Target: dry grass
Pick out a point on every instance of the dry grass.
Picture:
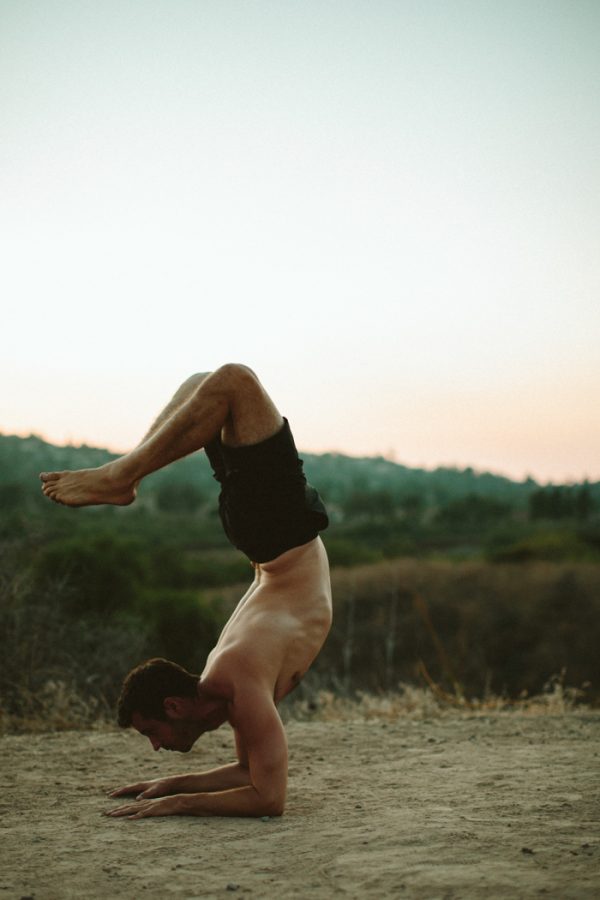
(430, 702)
(60, 707)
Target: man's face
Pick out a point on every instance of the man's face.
(170, 734)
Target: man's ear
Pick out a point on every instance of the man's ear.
(174, 707)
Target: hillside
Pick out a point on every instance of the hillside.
(378, 508)
(338, 476)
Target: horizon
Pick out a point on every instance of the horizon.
(333, 452)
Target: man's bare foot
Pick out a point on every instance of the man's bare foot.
(88, 487)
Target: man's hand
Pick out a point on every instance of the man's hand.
(140, 809)
(144, 790)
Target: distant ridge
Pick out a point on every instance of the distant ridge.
(22, 458)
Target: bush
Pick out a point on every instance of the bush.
(178, 496)
(180, 626)
(70, 629)
(99, 574)
(43, 645)
(554, 546)
(471, 627)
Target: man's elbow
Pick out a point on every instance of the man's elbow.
(272, 806)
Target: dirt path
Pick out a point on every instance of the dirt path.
(504, 805)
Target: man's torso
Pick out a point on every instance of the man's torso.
(277, 629)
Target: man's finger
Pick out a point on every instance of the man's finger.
(150, 808)
(150, 792)
(119, 811)
(123, 810)
(128, 789)
(140, 809)
(141, 813)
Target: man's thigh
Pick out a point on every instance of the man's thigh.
(253, 416)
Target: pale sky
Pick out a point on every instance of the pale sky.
(390, 210)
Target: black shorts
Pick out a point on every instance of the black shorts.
(266, 505)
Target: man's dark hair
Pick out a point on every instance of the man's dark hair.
(146, 687)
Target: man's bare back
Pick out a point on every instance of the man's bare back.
(270, 512)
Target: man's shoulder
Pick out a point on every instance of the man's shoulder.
(230, 674)
(251, 707)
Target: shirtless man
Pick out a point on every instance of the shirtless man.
(269, 512)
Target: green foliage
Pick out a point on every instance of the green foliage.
(211, 571)
(552, 545)
(83, 615)
(12, 495)
(574, 502)
(378, 509)
(178, 496)
(101, 574)
(377, 503)
(343, 552)
(170, 567)
(181, 626)
(471, 512)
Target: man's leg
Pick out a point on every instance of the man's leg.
(230, 401)
(182, 394)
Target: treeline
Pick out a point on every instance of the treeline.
(378, 509)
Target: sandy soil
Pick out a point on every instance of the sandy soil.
(502, 805)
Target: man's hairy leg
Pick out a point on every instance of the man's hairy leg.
(230, 399)
(183, 393)
(121, 495)
(180, 396)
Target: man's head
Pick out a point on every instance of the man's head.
(160, 700)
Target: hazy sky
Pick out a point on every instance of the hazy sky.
(390, 210)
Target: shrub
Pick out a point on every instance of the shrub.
(49, 653)
(99, 574)
(180, 626)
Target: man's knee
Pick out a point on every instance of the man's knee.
(237, 376)
(234, 384)
(196, 379)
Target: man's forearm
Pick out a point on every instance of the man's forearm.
(242, 801)
(222, 779)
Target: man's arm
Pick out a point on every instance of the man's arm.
(260, 734)
(221, 779)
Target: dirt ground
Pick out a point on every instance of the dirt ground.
(456, 806)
